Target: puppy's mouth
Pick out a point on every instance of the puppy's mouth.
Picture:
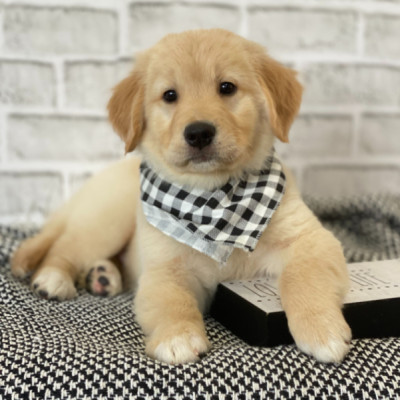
(202, 150)
(208, 155)
(197, 161)
(200, 146)
(208, 160)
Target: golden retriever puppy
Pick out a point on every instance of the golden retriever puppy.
(208, 201)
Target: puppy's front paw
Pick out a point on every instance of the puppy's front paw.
(104, 279)
(325, 336)
(178, 344)
(52, 283)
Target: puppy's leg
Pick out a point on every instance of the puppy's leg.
(312, 286)
(103, 279)
(168, 312)
(55, 278)
(47, 253)
(96, 223)
(33, 250)
(79, 258)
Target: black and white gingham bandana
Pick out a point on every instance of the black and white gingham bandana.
(214, 222)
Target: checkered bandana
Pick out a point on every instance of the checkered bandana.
(214, 222)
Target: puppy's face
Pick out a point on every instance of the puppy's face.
(204, 106)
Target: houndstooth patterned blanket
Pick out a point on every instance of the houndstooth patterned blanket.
(91, 348)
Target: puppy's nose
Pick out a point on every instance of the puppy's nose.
(199, 134)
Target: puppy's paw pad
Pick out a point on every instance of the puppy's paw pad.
(104, 279)
(179, 349)
(54, 285)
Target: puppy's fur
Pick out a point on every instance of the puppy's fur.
(174, 282)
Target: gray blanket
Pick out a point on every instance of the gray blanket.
(91, 347)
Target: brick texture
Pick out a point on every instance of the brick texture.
(379, 37)
(2, 136)
(294, 30)
(319, 136)
(89, 84)
(60, 59)
(1, 25)
(347, 180)
(60, 138)
(26, 83)
(27, 193)
(340, 84)
(150, 21)
(380, 134)
(43, 30)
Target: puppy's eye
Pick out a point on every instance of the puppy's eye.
(227, 88)
(170, 96)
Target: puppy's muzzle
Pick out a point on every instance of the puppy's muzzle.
(199, 134)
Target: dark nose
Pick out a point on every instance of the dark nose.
(199, 134)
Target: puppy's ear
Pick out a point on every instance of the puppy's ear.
(126, 109)
(283, 93)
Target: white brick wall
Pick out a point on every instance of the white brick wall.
(60, 58)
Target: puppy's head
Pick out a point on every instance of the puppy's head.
(205, 105)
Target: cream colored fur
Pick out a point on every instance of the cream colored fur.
(175, 283)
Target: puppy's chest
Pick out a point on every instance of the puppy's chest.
(264, 260)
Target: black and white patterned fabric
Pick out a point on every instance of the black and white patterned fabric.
(368, 226)
(214, 222)
(91, 347)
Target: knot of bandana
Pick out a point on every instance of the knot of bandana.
(214, 222)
